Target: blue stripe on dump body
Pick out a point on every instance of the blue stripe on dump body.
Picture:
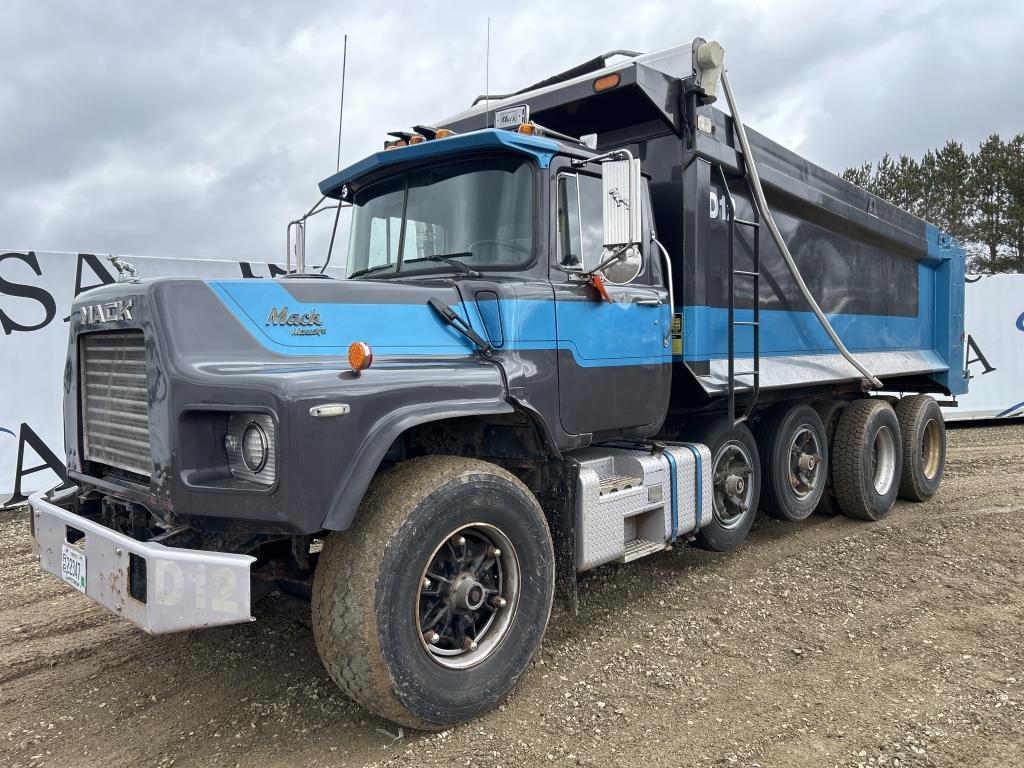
(538, 147)
(940, 314)
(673, 472)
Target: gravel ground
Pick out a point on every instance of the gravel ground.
(827, 643)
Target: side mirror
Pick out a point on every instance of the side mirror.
(622, 203)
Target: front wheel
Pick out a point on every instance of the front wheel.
(429, 609)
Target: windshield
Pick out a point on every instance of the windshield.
(479, 212)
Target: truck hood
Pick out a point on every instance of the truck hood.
(303, 317)
(291, 317)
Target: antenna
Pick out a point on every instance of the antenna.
(487, 76)
(341, 109)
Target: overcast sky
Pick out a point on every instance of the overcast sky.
(200, 129)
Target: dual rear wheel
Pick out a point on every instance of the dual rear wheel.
(836, 456)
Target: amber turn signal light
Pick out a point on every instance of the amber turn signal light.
(360, 356)
(606, 82)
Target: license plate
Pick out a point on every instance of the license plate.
(511, 117)
(72, 567)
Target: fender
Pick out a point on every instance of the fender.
(354, 483)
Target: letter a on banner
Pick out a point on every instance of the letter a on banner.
(50, 461)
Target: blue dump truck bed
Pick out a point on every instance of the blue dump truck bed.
(891, 284)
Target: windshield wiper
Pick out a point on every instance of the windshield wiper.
(449, 258)
(455, 321)
(368, 270)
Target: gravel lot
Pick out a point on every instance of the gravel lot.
(831, 642)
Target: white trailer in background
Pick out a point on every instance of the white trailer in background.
(994, 323)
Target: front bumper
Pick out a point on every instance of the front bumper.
(184, 588)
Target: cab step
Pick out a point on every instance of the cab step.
(638, 548)
(619, 483)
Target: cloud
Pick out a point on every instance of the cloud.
(199, 130)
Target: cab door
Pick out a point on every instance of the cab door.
(614, 357)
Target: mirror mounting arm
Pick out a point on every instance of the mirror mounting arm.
(615, 154)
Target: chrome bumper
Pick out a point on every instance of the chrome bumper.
(184, 588)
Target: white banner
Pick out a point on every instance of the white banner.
(994, 321)
(36, 291)
(37, 288)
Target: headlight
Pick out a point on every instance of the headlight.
(254, 447)
(250, 447)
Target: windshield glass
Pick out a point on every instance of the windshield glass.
(479, 212)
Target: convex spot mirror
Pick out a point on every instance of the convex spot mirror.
(625, 268)
(621, 205)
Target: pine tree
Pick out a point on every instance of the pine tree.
(1014, 238)
(860, 176)
(990, 171)
(976, 197)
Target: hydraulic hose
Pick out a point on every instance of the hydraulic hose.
(766, 216)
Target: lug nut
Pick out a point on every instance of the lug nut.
(469, 644)
(432, 638)
(461, 541)
(493, 552)
(426, 583)
(498, 602)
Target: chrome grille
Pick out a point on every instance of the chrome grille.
(115, 405)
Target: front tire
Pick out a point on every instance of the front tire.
(429, 609)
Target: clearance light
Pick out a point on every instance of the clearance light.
(606, 82)
(443, 133)
(393, 144)
(417, 139)
(528, 128)
(360, 356)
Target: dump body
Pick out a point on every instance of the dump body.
(891, 284)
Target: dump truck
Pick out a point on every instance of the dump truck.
(582, 324)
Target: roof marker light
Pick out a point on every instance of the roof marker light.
(417, 139)
(443, 133)
(528, 129)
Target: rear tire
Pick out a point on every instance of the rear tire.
(736, 474)
(829, 411)
(794, 461)
(437, 541)
(867, 463)
(923, 431)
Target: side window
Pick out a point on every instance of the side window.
(580, 224)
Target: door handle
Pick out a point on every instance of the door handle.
(648, 302)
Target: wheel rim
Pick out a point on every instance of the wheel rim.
(733, 490)
(883, 460)
(467, 595)
(931, 449)
(804, 462)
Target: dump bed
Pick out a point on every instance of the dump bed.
(891, 284)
